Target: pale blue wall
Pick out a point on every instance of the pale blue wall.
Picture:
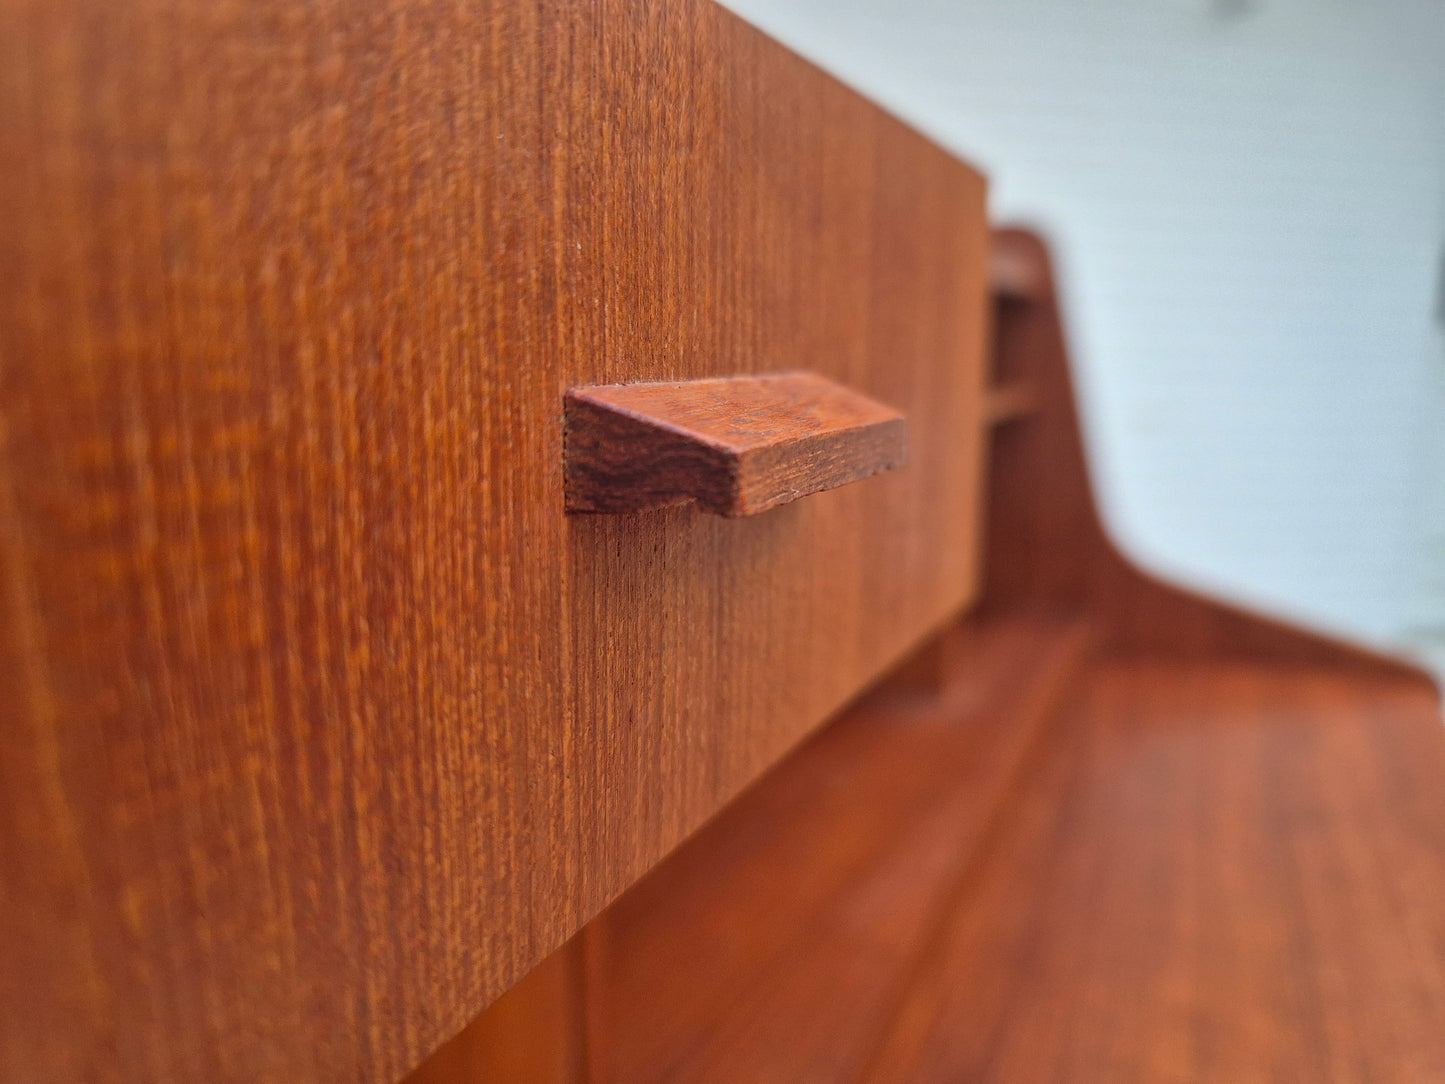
(1247, 200)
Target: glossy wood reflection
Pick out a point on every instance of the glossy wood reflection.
(1219, 872)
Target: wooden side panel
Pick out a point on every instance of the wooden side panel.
(1046, 542)
(321, 722)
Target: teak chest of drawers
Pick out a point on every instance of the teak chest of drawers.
(449, 452)
(324, 720)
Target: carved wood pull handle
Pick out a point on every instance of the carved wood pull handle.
(737, 446)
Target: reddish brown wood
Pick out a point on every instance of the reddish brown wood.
(1226, 864)
(1046, 542)
(535, 1033)
(321, 722)
(1010, 402)
(773, 944)
(736, 445)
(1215, 870)
(1220, 871)
(1015, 272)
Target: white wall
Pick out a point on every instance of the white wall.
(1245, 197)
(1425, 604)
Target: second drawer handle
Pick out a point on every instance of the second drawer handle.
(736, 445)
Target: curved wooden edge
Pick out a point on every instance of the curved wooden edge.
(1047, 543)
(736, 445)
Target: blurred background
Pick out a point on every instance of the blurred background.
(1247, 204)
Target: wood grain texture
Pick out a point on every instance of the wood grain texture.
(1207, 870)
(735, 445)
(1224, 865)
(323, 722)
(1221, 871)
(773, 945)
(535, 1033)
(803, 991)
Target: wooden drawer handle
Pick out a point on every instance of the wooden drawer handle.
(738, 445)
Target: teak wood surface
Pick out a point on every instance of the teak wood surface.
(1062, 866)
(735, 445)
(1102, 829)
(322, 721)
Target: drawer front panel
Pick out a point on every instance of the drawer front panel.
(325, 721)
